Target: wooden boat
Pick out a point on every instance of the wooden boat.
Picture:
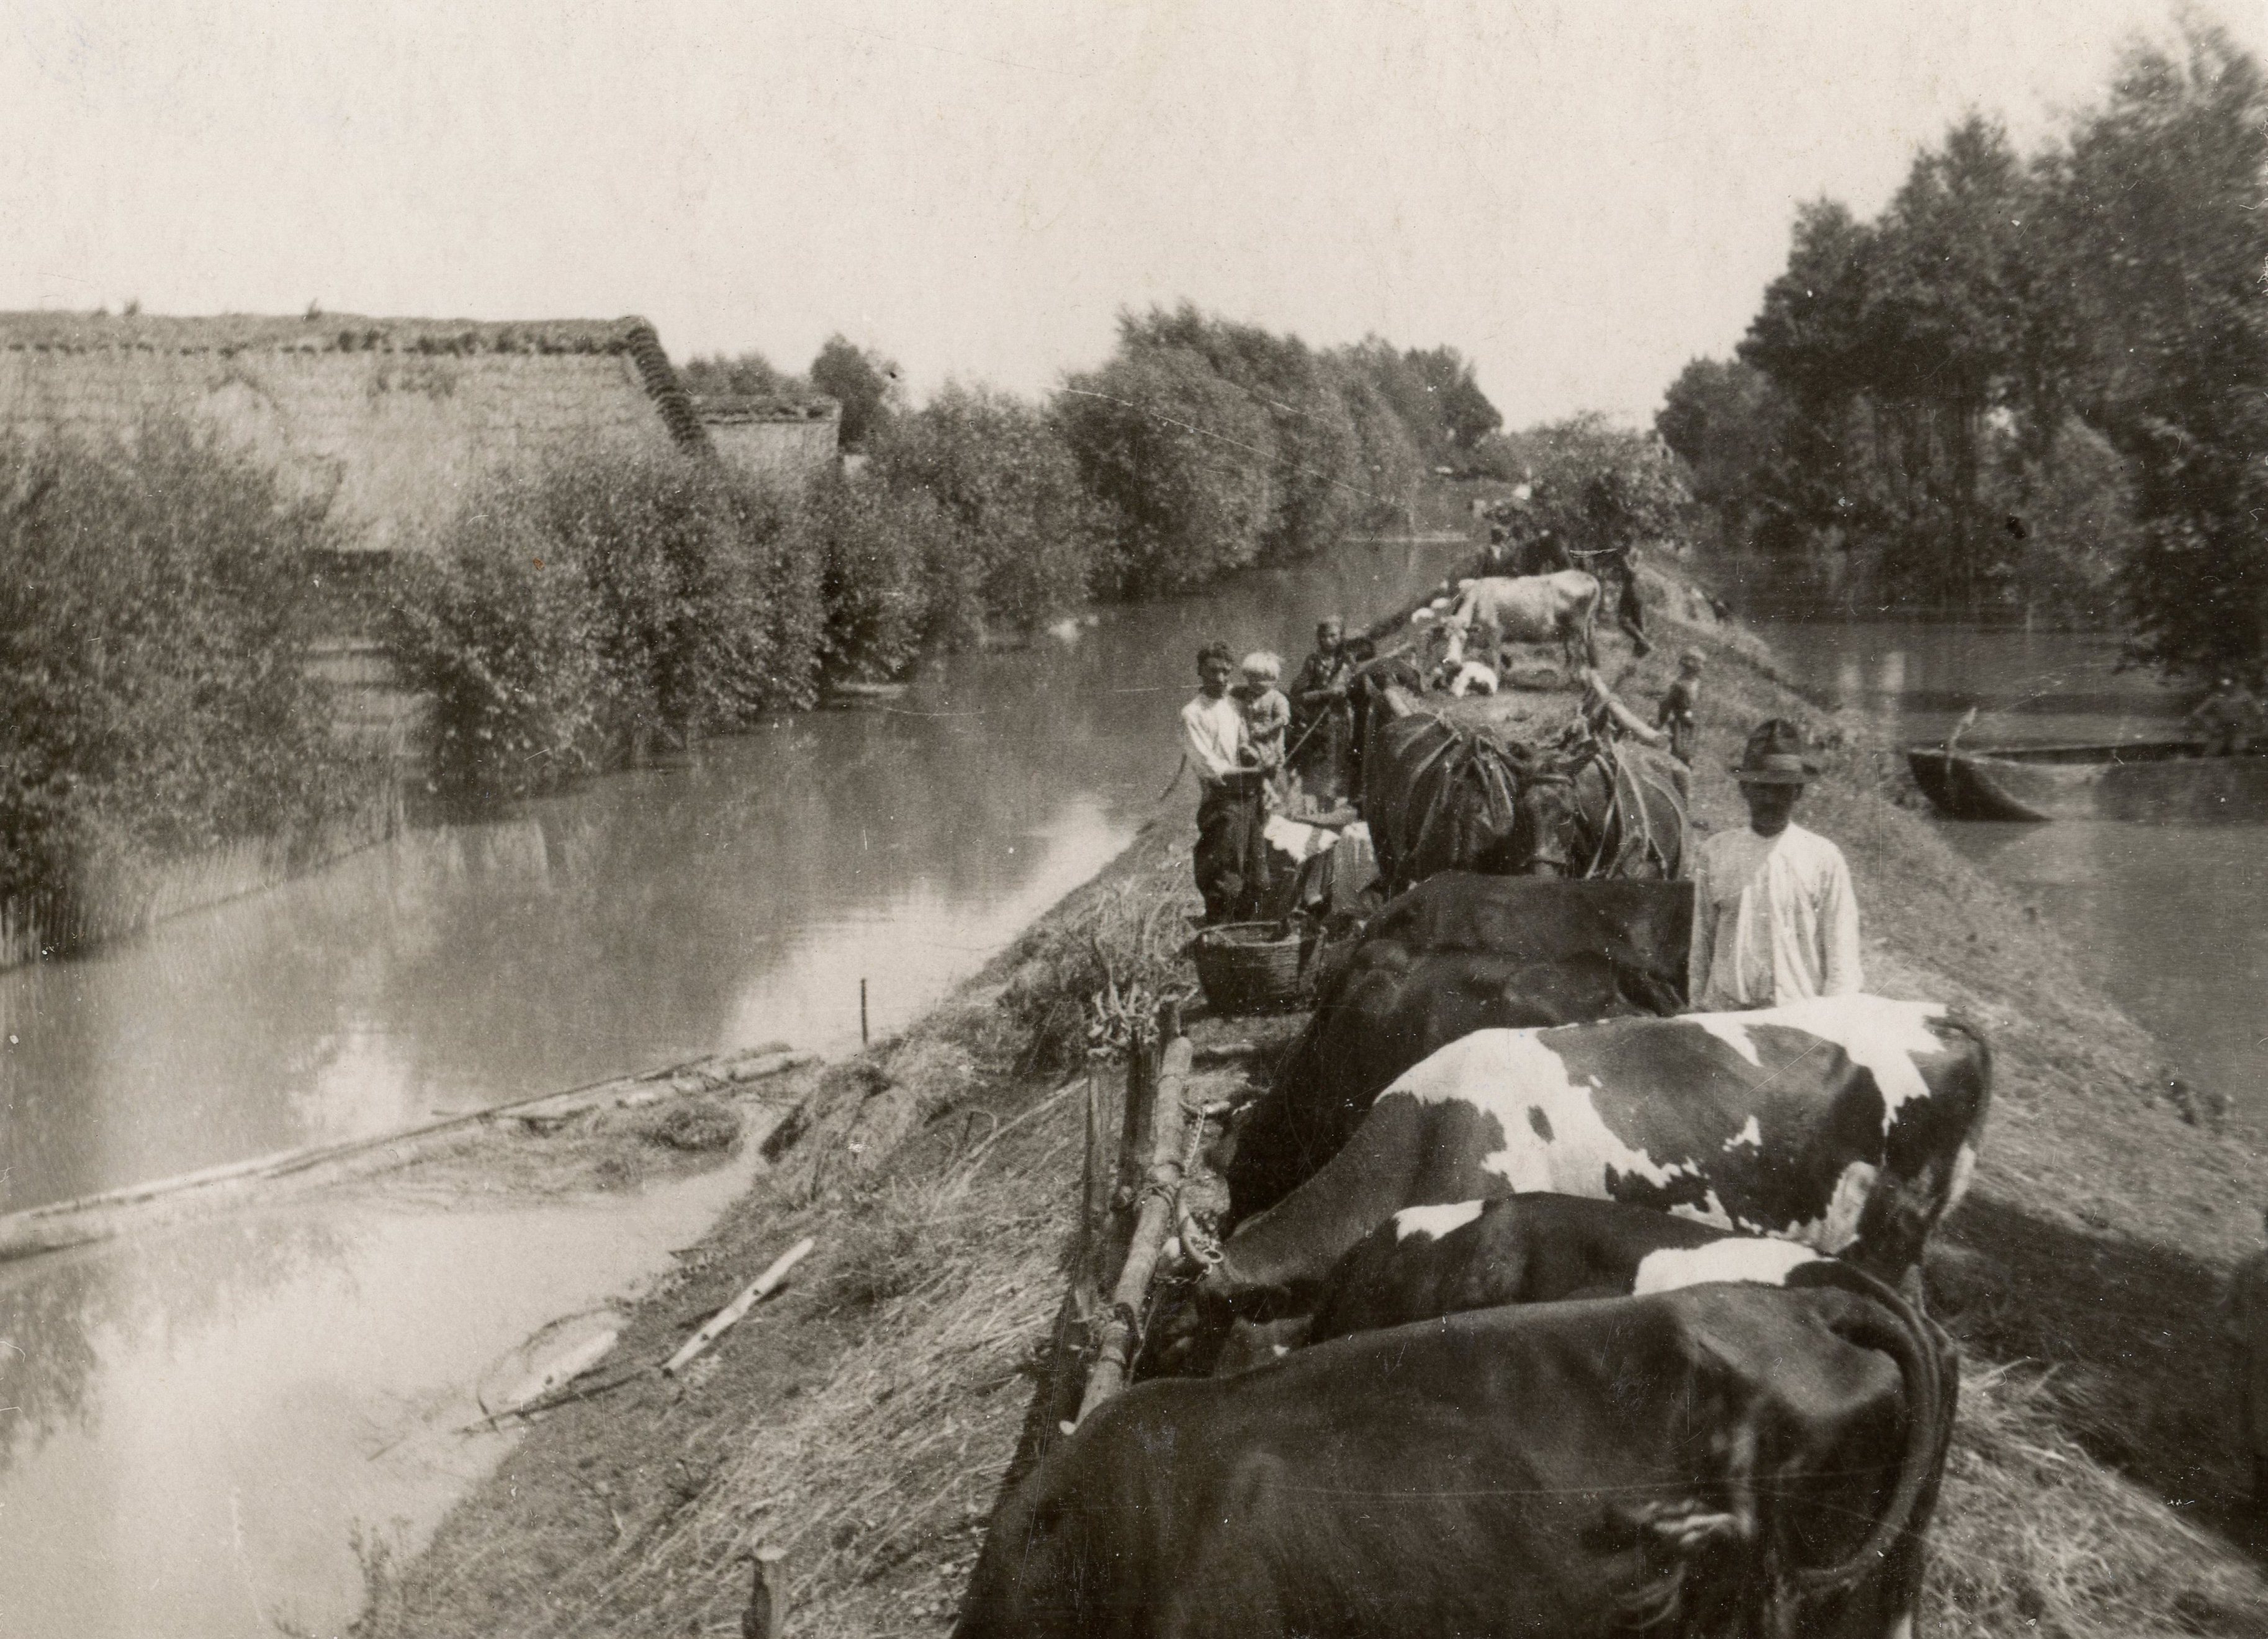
(2142, 780)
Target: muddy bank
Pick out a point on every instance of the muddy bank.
(861, 1421)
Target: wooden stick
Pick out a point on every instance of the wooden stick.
(766, 1617)
(726, 1317)
(1116, 1350)
(1094, 1199)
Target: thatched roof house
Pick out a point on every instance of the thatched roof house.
(788, 439)
(389, 419)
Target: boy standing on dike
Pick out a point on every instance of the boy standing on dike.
(1774, 917)
(1214, 744)
(2244, 1321)
(1681, 705)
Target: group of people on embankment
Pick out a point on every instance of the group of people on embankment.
(1776, 915)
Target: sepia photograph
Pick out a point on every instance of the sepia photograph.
(1375, 820)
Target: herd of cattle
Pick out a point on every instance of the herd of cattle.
(1543, 1311)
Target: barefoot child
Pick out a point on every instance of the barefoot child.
(1679, 703)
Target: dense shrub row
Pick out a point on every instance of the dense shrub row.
(599, 605)
(603, 603)
(158, 597)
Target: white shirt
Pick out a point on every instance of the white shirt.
(1774, 921)
(1213, 733)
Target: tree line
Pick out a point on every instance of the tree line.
(161, 594)
(2031, 381)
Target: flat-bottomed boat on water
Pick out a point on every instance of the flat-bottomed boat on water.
(2142, 780)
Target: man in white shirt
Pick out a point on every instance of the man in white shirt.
(1214, 744)
(1774, 917)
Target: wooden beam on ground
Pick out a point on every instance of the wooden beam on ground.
(1121, 1328)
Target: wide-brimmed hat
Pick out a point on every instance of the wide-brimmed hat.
(1774, 756)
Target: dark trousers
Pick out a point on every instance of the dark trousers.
(1228, 866)
(1629, 612)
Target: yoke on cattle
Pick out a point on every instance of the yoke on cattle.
(1442, 793)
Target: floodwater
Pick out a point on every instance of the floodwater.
(193, 1425)
(2172, 917)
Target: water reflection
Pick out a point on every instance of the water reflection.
(207, 1417)
(202, 1416)
(735, 897)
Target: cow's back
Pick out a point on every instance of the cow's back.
(1456, 953)
(1549, 1470)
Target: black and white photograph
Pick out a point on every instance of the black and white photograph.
(1121, 819)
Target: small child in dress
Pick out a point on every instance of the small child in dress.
(1679, 702)
(1267, 713)
(2244, 1320)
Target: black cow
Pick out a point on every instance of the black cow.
(1427, 1262)
(1456, 953)
(1725, 1459)
(1848, 1123)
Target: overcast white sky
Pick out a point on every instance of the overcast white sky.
(1581, 196)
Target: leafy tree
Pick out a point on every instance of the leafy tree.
(1179, 460)
(1596, 486)
(1314, 441)
(863, 382)
(1022, 529)
(1727, 421)
(157, 596)
(1388, 466)
(2157, 203)
(748, 374)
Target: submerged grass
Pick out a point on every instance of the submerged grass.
(864, 1420)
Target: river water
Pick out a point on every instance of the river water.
(2173, 918)
(194, 1425)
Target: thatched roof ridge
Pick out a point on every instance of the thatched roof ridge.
(231, 334)
(725, 409)
(325, 333)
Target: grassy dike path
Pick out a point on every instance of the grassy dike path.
(863, 1420)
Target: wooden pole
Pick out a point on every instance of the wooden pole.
(766, 1617)
(1116, 1351)
(729, 1316)
(862, 1012)
(1134, 1134)
(1094, 1197)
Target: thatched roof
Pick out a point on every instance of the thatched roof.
(391, 418)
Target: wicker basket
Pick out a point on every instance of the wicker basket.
(1255, 967)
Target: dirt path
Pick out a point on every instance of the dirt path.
(862, 1420)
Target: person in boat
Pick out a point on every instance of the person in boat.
(2244, 1322)
(1608, 719)
(1322, 716)
(2228, 720)
(1774, 916)
(1214, 744)
(1678, 714)
(1267, 713)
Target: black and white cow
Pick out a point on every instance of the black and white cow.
(1847, 1123)
(1716, 1461)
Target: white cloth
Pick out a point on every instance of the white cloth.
(1212, 734)
(1774, 921)
(1302, 840)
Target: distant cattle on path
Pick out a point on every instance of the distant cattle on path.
(1560, 608)
(1458, 952)
(1848, 1123)
(1718, 1460)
